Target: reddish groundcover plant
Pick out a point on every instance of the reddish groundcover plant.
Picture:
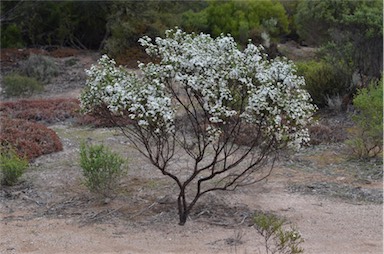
(22, 124)
(51, 111)
(48, 110)
(30, 139)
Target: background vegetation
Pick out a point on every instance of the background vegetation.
(349, 33)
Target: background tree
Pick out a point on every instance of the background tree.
(350, 35)
(352, 32)
(78, 24)
(226, 112)
(291, 10)
(241, 19)
(130, 20)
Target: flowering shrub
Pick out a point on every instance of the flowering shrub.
(212, 70)
(218, 89)
(29, 139)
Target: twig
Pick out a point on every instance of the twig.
(143, 210)
(201, 213)
(242, 221)
(97, 217)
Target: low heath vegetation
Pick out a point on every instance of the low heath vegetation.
(12, 166)
(29, 139)
(18, 85)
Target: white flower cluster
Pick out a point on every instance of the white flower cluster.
(213, 71)
(144, 100)
(279, 103)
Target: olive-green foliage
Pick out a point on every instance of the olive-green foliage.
(323, 80)
(246, 19)
(276, 238)
(243, 19)
(79, 24)
(11, 165)
(41, 67)
(101, 168)
(130, 20)
(313, 20)
(291, 10)
(195, 21)
(351, 31)
(11, 37)
(18, 85)
(368, 140)
(316, 20)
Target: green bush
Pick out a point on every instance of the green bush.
(195, 21)
(151, 18)
(277, 239)
(41, 67)
(11, 37)
(17, 85)
(12, 166)
(75, 24)
(351, 30)
(101, 169)
(247, 19)
(323, 80)
(367, 141)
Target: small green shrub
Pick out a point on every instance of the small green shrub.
(101, 169)
(41, 67)
(277, 239)
(71, 62)
(12, 166)
(323, 80)
(17, 85)
(367, 141)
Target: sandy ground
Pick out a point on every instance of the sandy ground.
(328, 225)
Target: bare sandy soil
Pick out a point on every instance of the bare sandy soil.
(51, 212)
(335, 202)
